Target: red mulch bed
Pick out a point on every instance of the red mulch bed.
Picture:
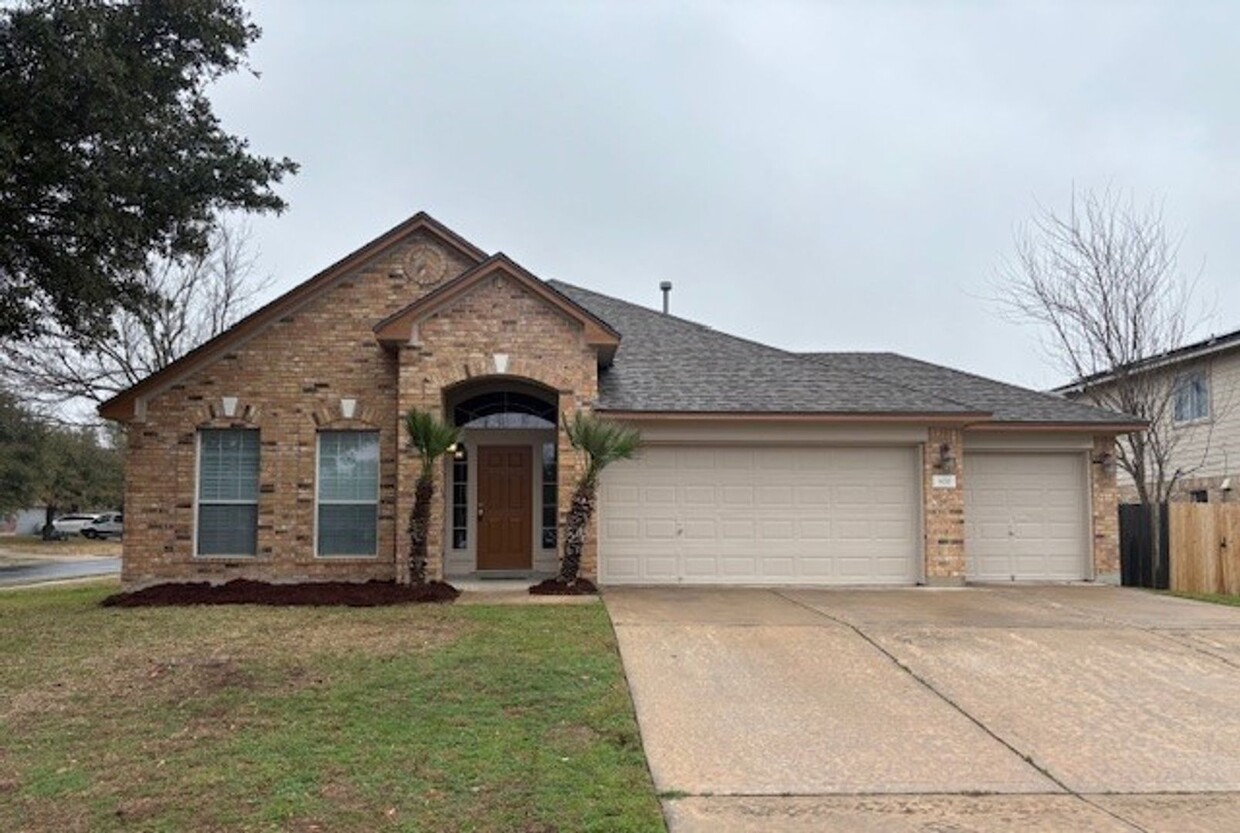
(554, 587)
(246, 592)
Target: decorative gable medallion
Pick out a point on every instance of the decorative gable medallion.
(425, 265)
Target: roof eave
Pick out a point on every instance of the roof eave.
(1054, 426)
(1222, 344)
(920, 418)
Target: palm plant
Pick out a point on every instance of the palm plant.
(602, 442)
(431, 438)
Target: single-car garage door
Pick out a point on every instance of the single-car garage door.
(1025, 516)
(752, 515)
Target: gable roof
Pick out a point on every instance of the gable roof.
(398, 328)
(1007, 403)
(1198, 349)
(121, 406)
(669, 365)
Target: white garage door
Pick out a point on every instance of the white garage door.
(1025, 516)
(748, 515)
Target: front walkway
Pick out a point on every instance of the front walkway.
(987, 709)
(509, 591)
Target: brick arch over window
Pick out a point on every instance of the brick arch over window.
(500, 366)
(227, 412)
(491, 396)
(333, 416)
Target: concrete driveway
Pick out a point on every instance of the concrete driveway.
(984, 709)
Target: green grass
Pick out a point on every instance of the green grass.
(1213, 598)
(513, 718)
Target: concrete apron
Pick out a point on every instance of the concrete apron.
(1051, 708)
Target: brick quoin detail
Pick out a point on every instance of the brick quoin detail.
(1104, 501)
(943, 511)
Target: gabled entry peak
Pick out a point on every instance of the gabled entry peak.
(399, 328)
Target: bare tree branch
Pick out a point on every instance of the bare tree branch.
(195, 300)
(1104, 285)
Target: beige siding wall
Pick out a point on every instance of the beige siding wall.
(1208, 452)
(1211, 449)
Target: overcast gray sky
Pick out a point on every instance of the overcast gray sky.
(839, 176)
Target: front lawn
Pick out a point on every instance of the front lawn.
(446, 718)
(1213, 598)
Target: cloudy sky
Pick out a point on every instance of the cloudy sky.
(841, 176)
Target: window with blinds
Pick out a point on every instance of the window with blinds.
(227, 492)
(348, 493)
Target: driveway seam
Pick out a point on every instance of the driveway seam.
(1028, 759)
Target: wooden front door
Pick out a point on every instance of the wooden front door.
(505, 510)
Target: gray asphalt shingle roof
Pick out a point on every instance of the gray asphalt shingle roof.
(668, 364)
(1006, 403)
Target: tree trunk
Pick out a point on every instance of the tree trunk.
(419, 526)
(580, 510)
(49, 515)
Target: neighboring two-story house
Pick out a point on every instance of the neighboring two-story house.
(1201, 417)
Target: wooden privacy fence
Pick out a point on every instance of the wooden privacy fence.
(1205, 547)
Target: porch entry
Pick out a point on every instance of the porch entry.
(505, 507)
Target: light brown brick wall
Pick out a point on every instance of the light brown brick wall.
(1104, 498)
(289, 379)
(459, 344)
(944, 508)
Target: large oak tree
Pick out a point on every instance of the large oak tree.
(110, 153)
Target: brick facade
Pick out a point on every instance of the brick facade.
(289, 381)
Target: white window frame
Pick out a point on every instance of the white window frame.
(198, 501)
(318, 452)
(1187, 380)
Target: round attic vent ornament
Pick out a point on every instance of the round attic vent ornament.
(425, 265)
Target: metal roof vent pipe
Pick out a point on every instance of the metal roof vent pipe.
(666, 288)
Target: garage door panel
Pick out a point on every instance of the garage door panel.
(700, 530)
(774, 496)
(739, 566)
(778, 529)
(762, 515)
(659, 528)
(737, 495)
(1025, 516)
(815, 530)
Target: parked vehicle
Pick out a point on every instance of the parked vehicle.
(67, 525)
(107, 525)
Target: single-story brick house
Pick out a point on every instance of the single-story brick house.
(275, 450)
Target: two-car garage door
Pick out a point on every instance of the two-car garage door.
(761, 515)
